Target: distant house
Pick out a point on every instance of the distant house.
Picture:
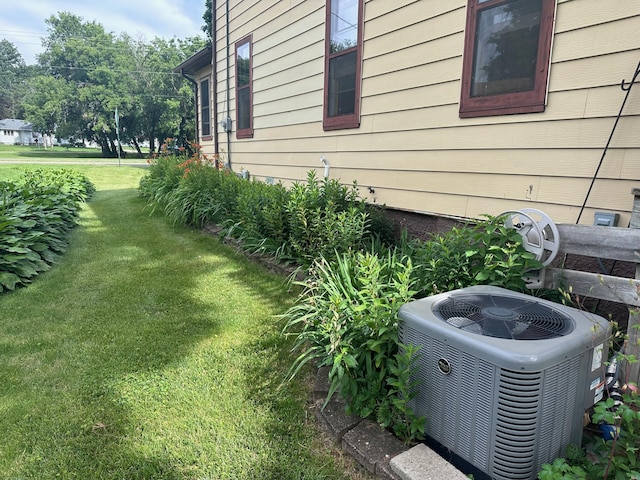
(15, 132)
(453, 108)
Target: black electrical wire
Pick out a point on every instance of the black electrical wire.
(627, 88)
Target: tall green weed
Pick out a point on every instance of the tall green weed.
(346, 319)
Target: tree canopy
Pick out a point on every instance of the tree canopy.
(86, 73)
(208, 20)
(12, 68)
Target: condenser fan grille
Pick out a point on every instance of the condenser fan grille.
(503, 316)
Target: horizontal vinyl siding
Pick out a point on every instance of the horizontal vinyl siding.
(287, 61)
(412, 149)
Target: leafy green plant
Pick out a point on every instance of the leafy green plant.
(36, 213)
(311, 219)
(617, 458)
(264, 219)
(161, 180)
(324, 217)
(346, 318)
(487, 253)
(402, 389)
(560, 469)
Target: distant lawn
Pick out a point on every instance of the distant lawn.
(151, 352)
(28, 153)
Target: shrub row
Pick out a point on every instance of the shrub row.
(298, 224)
(36, 213)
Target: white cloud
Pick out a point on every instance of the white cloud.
(24, 23)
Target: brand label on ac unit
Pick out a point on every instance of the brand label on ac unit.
(444, 366)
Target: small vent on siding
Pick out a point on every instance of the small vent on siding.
(516, 424)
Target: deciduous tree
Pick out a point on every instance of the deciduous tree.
(11, 69)
(88, 72)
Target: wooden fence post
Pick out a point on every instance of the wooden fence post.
(633, 345)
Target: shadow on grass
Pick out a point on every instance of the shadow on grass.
(34, 152)
(23, 151)
(87, 346)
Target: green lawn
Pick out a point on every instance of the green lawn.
(35, 154)
(151, 352)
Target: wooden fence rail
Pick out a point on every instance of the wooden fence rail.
(613, 243)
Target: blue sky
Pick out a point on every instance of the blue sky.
(23, 23)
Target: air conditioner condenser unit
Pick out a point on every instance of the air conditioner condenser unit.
(504, 377)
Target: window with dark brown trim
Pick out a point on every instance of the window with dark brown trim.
(506, 57)
(343, 64)
(205, 116)
(244, 89)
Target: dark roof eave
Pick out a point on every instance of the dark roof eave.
(196, 62)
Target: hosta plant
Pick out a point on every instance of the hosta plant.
(36, 213)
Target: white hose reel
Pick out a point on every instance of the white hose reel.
(539, 236)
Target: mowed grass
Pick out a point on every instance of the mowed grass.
(38, 154)
(151, 351)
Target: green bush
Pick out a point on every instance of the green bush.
(486, 253)
(162, 179)
(346, 318)
(310, 219)
(185, 187)
(325, 217)
(36, 213)
(197, 198)
(264, 224)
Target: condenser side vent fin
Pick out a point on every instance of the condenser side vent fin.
(516, 425)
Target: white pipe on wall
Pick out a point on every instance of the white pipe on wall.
(325, 162)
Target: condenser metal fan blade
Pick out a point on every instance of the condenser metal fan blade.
(503, 316)
(465, 324)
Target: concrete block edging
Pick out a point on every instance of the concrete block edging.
(375, 448)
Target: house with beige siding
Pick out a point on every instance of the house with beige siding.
(453, 108)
